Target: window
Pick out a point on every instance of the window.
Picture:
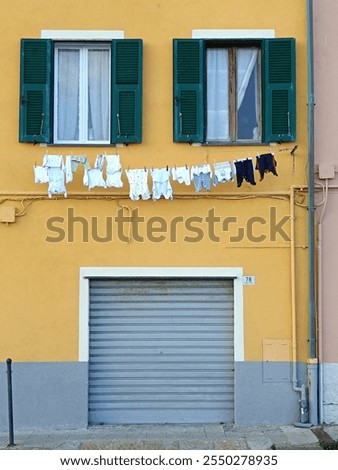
(234, 92)
(81, 93)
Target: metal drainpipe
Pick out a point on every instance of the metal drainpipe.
(302, 389)
(312, 368)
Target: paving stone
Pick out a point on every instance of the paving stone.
(97, 445)
(128, 445)
(259, 442)
(154, 445)
(332, 431)
(299, 436)
(228, 444)
(195, 444)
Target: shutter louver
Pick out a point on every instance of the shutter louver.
(188, 90)
(35, 93)
(127, 91)
(279, 90)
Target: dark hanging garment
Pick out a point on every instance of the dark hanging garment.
(266, 163)
(244, 171)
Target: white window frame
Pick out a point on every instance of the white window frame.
(233, 33)
(233, 111)
(83, 91)
(81, 34)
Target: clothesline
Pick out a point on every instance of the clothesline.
(107, 172)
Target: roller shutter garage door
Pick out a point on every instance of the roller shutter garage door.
(161, 351)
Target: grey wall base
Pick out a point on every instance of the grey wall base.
(46, 395)
(55, 395)
(264, 393)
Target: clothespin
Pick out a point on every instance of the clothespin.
(294, 150)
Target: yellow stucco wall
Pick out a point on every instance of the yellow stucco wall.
(39, 280)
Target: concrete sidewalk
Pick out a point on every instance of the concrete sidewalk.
(176, 437)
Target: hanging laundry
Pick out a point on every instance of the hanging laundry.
(201, 176)
(161, 183)
(56, 177)
(52, 161)
(181, 174)
(113, 171)
(40, 174)
(72, 163)
(224, 173)
(266, 163)
(99, 162)
(94, 176)
(56, 174)
(138, 181)
(244, 171)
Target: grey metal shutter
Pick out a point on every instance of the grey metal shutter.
(161, 351)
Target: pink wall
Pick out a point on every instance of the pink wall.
(326, 152)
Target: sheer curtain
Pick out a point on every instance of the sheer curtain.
(68, 95)
(217, 94)
(246, 67)
(83, 87)
(98, 94)
(246, 61)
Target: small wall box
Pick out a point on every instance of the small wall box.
(7, 214)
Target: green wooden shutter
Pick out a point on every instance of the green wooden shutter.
(35, 90)
(126, 118)
(188, 90)
(279, 90)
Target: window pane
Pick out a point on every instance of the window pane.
(98, 94)
(247, 94)
(68, 95)
(217, 94)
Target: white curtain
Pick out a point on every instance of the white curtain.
(68, 95)
(217, 94)
(77, 67)
(246, 61)
(98, 95)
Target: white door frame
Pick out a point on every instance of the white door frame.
(87, 273)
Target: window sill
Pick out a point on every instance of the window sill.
(236, 144)
(83, 145)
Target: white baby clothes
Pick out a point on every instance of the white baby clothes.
(224, 172)
(40, 174)
(99, 162)
(94, 177)
(56, 177)
(161, 183)
(138, 181)
(56, 174)
(201, 176)
(181, 174)
(52, 161)
(113, 171)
